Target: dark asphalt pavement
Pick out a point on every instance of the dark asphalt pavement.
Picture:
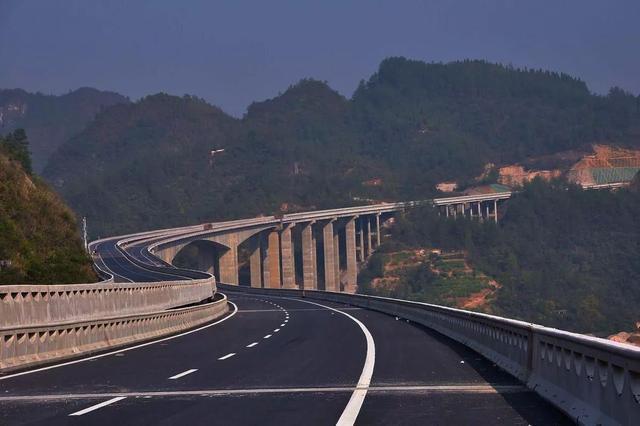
(293, 363)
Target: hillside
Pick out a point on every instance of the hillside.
(51, 120)
(408, 127)
(39, 240)
(564, 257)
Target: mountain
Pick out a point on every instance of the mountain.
(409, 126)
(51, 120)
(39, 239)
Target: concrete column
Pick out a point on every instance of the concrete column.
(352, 266)
(479, 211)
(361, 239)
(369, 249)
(272, 261)
(309, 276)
(446, 208)
(495, 210)
(487, 206)
(288, 265)
(378, 230)
(329, 257)
(455, 211)
(229, 266)
(336, 256)
(255, 262)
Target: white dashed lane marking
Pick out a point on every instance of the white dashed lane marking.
(267, 336)
(227, 356)
(252, 344)
(98, 406)
(184, 373)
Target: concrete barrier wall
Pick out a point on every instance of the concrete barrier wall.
(594, 381)
(29, 346)
(32, 305)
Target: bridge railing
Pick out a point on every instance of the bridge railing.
(28, 346)
(34, 305)
(594, 381)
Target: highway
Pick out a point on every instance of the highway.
(278, 361)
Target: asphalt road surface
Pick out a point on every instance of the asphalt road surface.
(274, 361)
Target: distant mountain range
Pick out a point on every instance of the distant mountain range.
(409, 126)
(51, 120)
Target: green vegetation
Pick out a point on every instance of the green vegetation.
(39, 241)
(146, 165)
(16, 147)
(437, 280)
(51, 120)
(564, 257)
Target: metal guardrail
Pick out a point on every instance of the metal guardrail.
(594, 381)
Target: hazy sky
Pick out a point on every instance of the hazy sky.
(234, 52)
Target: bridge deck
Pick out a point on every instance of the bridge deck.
(304, 373)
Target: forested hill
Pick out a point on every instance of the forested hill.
(51, 120)
(409, 126)
(39, 239)
(563, 256)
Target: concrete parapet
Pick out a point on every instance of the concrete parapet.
(594, 381)
(30, 346)
(34, 305)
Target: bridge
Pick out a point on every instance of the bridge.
(266, 329)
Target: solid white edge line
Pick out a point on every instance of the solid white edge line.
(153, 342)
(98, 406)
(184, 373)
(227, 356)
(351, 411)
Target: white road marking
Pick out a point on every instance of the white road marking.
(235, 310)
(98, 406)
(487, 388)
(227, 356)
(184, 373)
(276, 330)
(252, 344)
(267, 336)
(351, 411)
(282, 325)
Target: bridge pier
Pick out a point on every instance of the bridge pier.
(360, 247)
(288, 261)
(271, 260)
(229, 266)
(352, 265)
(369, 249)
(309, 273)
(330, 283)
(255, 261)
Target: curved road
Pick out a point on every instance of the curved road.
(274, 361)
